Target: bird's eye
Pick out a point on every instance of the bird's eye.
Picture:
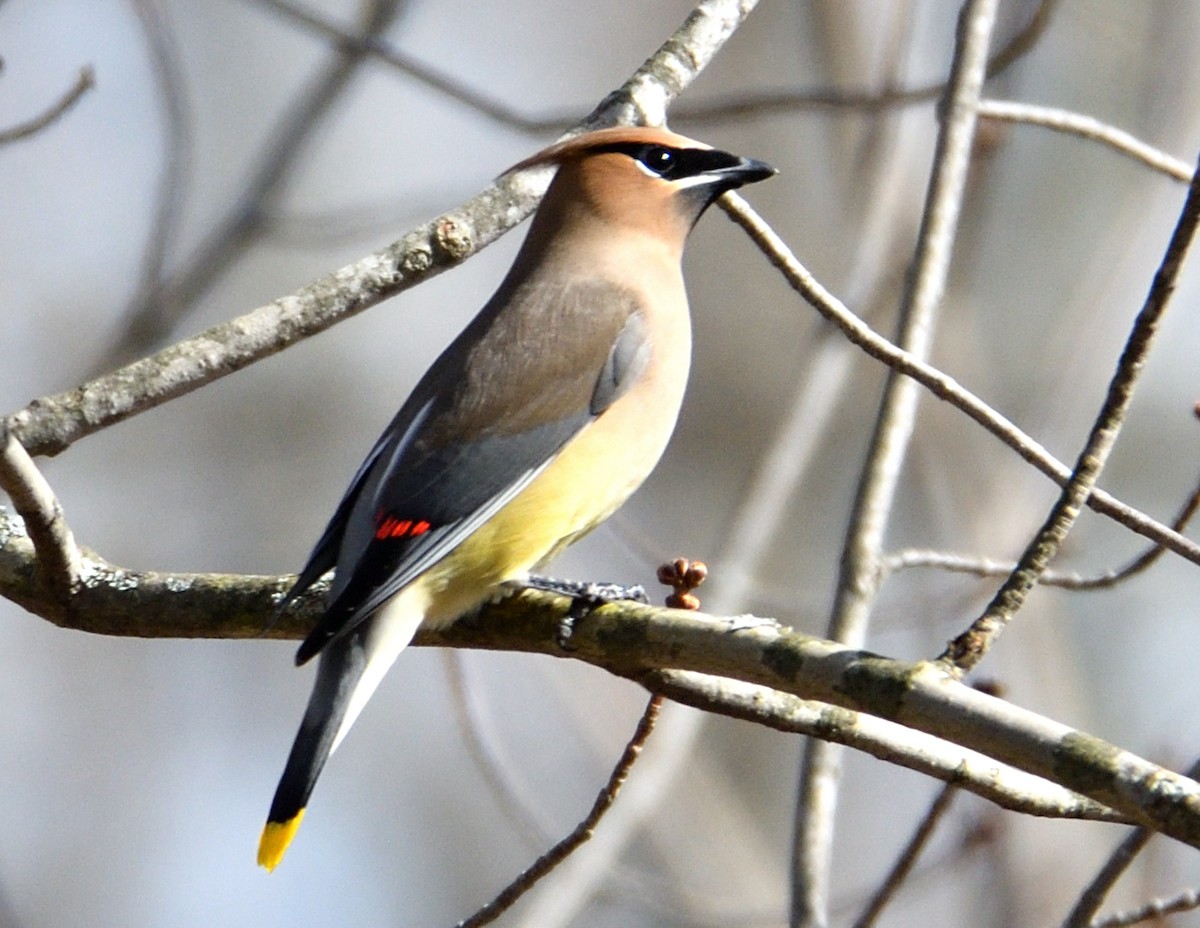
(658, 160)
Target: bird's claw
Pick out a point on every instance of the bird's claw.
(585, 597)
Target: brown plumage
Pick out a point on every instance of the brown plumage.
(530, 429)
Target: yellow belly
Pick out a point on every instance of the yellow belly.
(592, 476)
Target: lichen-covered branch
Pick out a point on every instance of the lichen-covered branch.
(640, 642)
(633, 640)
(57, 557)
(1001, 784)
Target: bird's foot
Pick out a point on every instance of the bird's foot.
(585, 596)
(597, 594)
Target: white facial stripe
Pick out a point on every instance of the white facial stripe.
(695, 180)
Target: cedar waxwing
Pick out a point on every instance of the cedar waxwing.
(537, 422)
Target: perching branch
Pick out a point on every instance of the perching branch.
(115, 601)
(640, 642)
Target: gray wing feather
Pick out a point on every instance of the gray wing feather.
(438, 465)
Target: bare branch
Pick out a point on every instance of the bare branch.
(1087, 127)
(860, 574)
(581, 833)
(908, 858)
(57, 562)
(163, 307)
(384, 51)
(639, 642)
(1001, 784)
(965, 651)
(1156, 911)
(941, 385)
(916, 695)
(83, 83)
(987, 567)
(175, 168)
(632, 640)
(759, 105)
(1094, 894)
(804, 427)
(51, 424)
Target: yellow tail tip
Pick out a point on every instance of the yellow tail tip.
(276, 836)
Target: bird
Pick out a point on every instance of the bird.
(536, 423)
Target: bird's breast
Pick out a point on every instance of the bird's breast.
(594, 473)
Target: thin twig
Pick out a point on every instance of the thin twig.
(938, 868)
(162, 309)
(1097, 891)
(1185, 901)
(860, 575)
(904, 864)
(965, 651)
(475, 735)
(385, 52)
(1087, 127)
(1094, 894)
(755, 104)
(58, 561)
(598, 868)
(941, 385)
(581, 833)
(987, 567)
(23, 130)
(175, 166)
(802, 429)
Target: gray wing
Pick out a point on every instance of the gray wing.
(438, 473)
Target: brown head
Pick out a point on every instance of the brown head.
(637, 180)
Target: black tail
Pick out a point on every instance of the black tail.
(340, 668)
